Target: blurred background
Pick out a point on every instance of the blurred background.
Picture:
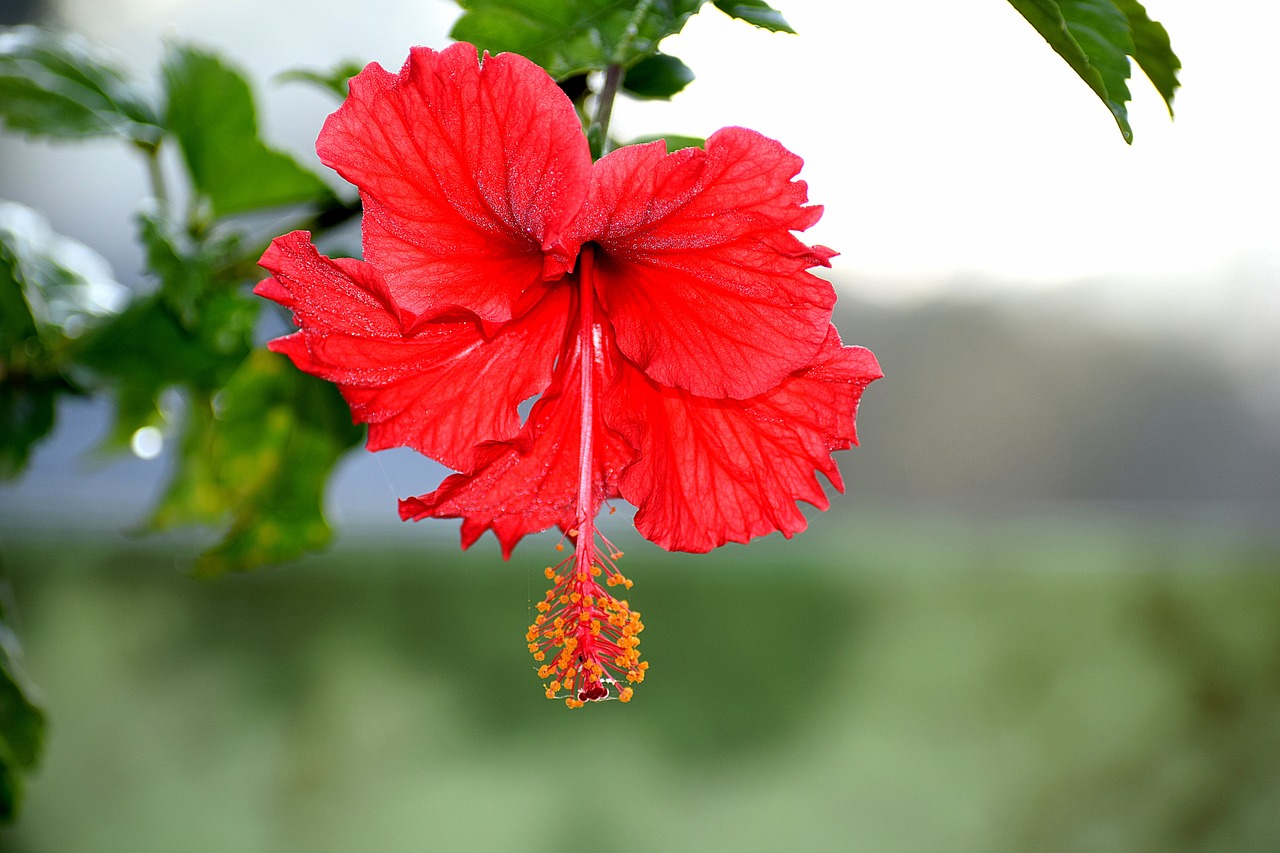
(1046, 616)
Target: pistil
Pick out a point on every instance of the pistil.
(590, 636)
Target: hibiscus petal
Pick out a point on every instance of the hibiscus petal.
(465, 172)
(705, 283)
(328, 294)
(714, 471)
(438, 385)
(532, 482)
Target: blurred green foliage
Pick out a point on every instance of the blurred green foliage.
(58, 85)
(21, 720)
(210, 112)
(256, 441)
(194, 332)
(263, 446)
(51, 290)
(333, 80)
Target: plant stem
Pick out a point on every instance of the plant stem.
(155, 172)
(604, 106)
(598, 134)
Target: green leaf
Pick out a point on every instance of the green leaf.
(568, 37)
(657, 76)
(61, 86)
(334, 80)
(210, 111)
(674, 141)
(52, 290)
(19, 338)
(22, 722)
(259, 453)
(27, 408)
(756, 12)
(1093, 36)
(1153, 51)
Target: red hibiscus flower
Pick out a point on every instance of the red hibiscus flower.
(657, 305)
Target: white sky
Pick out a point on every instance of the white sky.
(944, 137)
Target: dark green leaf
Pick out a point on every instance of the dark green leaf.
(259, 453)
(59, 85)
(1093, 36)
(657, 76)
(210, 110)
(19, 339)
(674, 141)
(334, 80)
(568, 37)
(26, 418)
(52, 290)
(22, 722)
(755, 12)
(1152, 50)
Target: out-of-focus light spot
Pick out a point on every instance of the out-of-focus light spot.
(147, 442)
(170, 403)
